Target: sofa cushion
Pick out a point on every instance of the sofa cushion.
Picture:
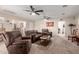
(20, 47)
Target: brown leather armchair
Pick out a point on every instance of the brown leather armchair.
(16, 44)
(46, 32)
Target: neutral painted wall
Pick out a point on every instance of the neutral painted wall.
(68, 21)
(30, 25)
(77, 21)
(42, 24)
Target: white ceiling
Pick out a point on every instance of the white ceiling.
(53, 11)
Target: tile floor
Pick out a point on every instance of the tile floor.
(58, 46)
(3, 49)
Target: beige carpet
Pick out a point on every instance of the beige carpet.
(59, 46)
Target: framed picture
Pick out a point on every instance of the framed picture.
(49, 24)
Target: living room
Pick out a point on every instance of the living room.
(37, 29)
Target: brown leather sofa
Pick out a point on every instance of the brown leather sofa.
(16, 44)
(34, 34)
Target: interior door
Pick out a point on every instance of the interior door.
(61, 28)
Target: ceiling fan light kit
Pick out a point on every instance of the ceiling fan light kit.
(34, 11)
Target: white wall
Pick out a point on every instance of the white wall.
(68, 21)
(30, 25)
(40, 24)
(77, 21)
(5, 25)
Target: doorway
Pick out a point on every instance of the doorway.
(61, 28)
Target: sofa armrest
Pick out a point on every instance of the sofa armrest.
(26, 38)
(21, 42)
(20, 47)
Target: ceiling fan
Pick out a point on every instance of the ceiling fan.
(34, 11)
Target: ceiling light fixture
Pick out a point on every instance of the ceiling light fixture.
(33, 13)
(34, 10)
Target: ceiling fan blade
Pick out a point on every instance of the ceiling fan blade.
(39, 11)
(32, 8)
(28, 10)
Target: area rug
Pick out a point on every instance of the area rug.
(44, 43)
